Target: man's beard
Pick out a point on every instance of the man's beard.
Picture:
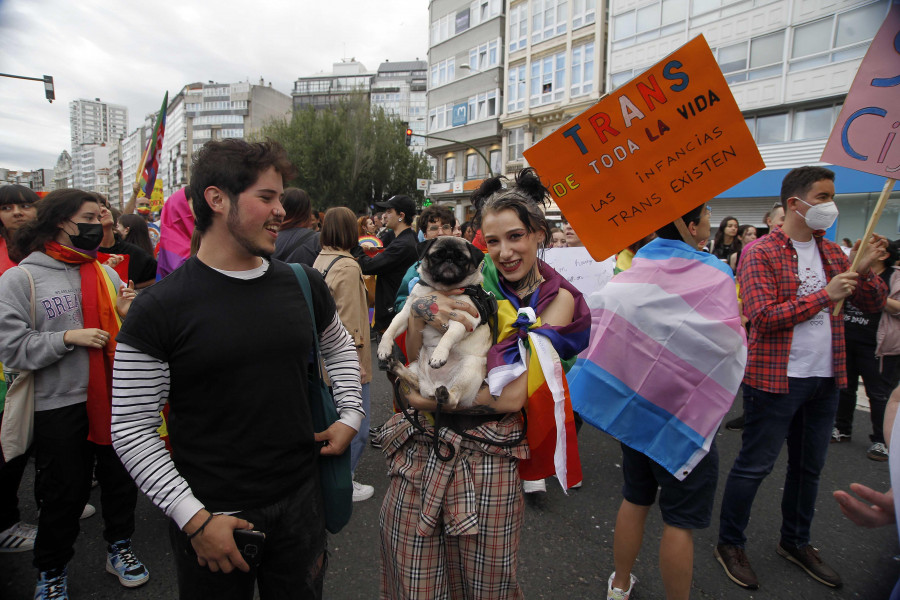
(253, 249)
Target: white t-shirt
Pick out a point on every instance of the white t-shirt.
(811, 352)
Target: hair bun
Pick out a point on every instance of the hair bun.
(487, 188)
(528, 182)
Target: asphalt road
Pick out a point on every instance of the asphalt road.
(566, 549)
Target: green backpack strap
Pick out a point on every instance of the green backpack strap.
(303, 280)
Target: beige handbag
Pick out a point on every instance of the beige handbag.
(17, 427)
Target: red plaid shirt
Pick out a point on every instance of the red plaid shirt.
(769, 282)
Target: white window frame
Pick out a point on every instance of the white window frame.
(515, 140)
(516, 88)
(582, 69)
(518, 27)
(833, 53)
(549, 18)
(584, 12)
(548, 79)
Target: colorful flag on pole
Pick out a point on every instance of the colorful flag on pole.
(150, 165)
(551, 423)
(666, 357)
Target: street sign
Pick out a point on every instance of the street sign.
(457, 187)
(422, 184)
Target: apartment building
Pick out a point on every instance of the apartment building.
(465, 97)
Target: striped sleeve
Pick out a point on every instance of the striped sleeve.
(140, 391)
(342, 365)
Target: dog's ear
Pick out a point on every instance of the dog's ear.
(422, 247)
(476, 255)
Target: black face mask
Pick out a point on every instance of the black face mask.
(89, 236)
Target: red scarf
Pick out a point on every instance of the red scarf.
(98, 310)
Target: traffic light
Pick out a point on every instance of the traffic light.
(408, 136)
(427, 202)
(48, 89)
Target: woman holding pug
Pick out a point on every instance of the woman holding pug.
(452, 517)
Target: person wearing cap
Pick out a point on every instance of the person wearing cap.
(391, 265)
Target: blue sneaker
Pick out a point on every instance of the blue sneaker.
(121, 562)
(52, 585)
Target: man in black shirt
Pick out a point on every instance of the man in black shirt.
(391, 264)
(226, 341)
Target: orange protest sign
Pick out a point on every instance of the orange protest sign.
(667, 141)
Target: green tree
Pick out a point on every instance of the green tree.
(349, 155)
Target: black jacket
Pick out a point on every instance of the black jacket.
(390, 266)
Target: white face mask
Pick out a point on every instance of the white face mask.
(820, 216)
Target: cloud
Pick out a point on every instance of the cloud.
(123, 54)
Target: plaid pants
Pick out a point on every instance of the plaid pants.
(451, 529)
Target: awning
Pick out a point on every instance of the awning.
(767, 183)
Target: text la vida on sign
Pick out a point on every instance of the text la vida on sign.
(660, 145)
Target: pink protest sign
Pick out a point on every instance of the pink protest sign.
(863, 137)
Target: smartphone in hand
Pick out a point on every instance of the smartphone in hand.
(250, 544)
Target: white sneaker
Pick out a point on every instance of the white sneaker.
(362, 492)
(617, 594)
(530, 487)
(88, 511)
(18, 537)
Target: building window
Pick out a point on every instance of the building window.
(839, 37)
(758, 58)
(483, 10)
(516, 89)
(449, 169)
(518, 27)
(548, 19)
(771, 129)
(496, 166)
(798, 125)
(648, 23)
(443, 72)
(812, 124)
(548, 77)
(583, 12)
(485, 56)
(516, 143)
(472, 161)
(483, 106)
(582, 69)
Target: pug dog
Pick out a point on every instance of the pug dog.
(452, 365)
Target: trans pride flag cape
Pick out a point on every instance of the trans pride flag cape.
(667, 355)
(175, 234)
(551, 423)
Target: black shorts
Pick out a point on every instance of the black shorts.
(684, 504)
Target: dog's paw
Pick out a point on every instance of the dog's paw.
(393, 365)
(441, 395)
(385, 350)
(437, 363)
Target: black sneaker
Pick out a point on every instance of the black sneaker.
(807, 558)
(735, 424)
(734, 560)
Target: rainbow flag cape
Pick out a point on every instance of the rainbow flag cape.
(667, 355)
(177, 226)
(551, 423)
(151, 156)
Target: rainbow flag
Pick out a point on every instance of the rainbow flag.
(667, 355)
(551, 423)
(177, 222)
(151, 156)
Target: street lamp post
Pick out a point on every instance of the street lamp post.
(49, 92)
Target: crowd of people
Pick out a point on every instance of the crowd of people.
(125, 321)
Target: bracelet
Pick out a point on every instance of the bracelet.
(201, 528)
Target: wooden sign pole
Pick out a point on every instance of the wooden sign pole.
(870, 228)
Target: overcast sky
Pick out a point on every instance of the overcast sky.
(131, 53)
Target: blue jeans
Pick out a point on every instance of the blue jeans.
(361, 440)
(805, 416)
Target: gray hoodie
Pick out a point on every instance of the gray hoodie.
(61, 371)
